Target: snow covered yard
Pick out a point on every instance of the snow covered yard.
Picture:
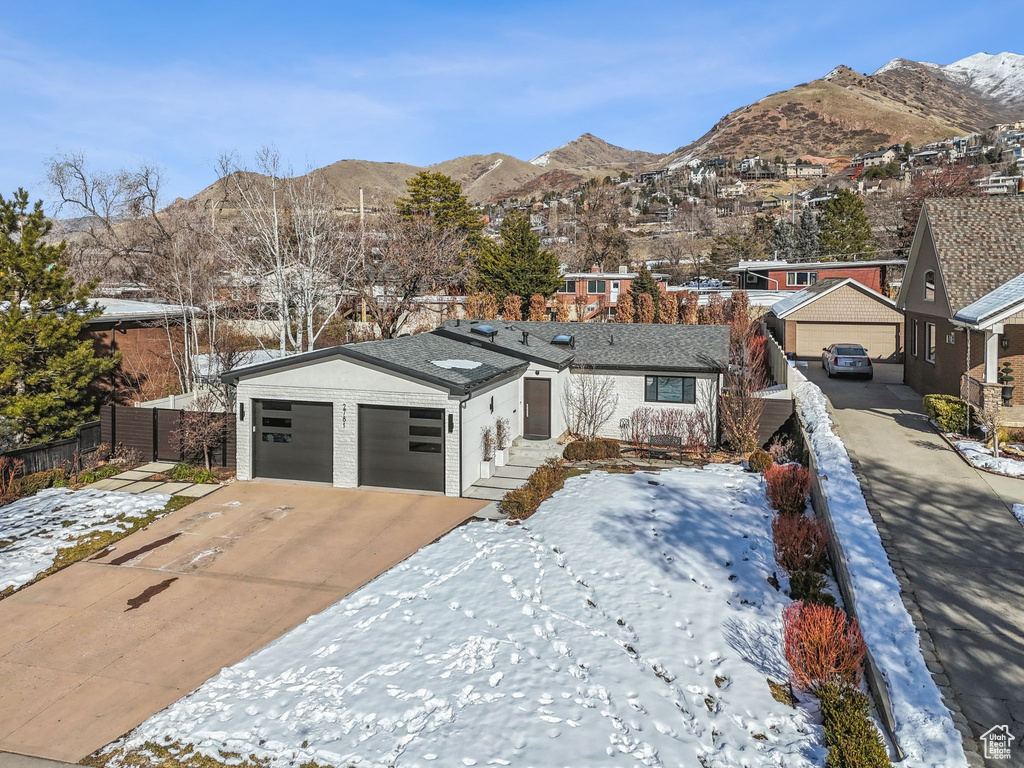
(33, 530)
(980, 455)
(628, 622)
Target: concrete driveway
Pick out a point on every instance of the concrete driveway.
(92, 651)
(953, 542)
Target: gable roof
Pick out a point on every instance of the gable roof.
(979, 244)
(611, 346)
(465, 367)
(812, 293)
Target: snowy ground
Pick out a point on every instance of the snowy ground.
(33, 529)
(627, 623)
(980, 455)
(924, 727)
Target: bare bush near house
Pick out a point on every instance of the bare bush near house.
(695, 427)
(538, 308)
(562, 309)
(579, 303)
(202, 429)
(624, 310)
(405, 258)
(512, 308)
(689, 313)
(668, 312)
(9, 470)
(501, 433)
(700, 429)
(588, 401)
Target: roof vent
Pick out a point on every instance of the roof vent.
(526, 338)
(623, 269)
(564, 339)
(484, 330)
(611, 338)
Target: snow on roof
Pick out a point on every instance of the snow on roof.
(994, 302)
(747, 266)
(120, 309)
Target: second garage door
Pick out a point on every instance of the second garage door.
(401, 447)
(880, 339)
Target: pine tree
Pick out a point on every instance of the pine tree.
(517, 264)
(808, 245)
(47, 370)
(437, 195)
(784, 239)
(643, 283)
(845, 229)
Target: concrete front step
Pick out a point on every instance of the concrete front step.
(483, 492)
(490, 512)
(519, 471)
(508, 483)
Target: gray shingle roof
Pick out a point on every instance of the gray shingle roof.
(608, 345)
(794, 300)
(993, 303)
(979, 242)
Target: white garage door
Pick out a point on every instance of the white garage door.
(880, 340)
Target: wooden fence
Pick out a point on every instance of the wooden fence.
(153, 432)
(65, 453)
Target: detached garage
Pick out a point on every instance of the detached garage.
(838, 310)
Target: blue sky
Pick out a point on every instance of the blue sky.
(179, 83)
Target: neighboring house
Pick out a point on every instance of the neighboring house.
(729, 191)
(782, 275)
(837, 310)
(143, 332)
(601, 289)
(871, 159)
(409, 412)
(805, 171)
(964, 288)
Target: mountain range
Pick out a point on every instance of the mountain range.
(840, 114)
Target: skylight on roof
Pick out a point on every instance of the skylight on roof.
(484, 330)
(563, 338)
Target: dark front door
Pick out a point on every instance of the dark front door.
(293, 441)
(537, 409)
(401, 447)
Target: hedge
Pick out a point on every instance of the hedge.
(850, 735)
(598, 448)
(949, 412)
(522, 502)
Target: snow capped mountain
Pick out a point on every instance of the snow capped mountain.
(1000, 75)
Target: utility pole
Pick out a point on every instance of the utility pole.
(362, 252)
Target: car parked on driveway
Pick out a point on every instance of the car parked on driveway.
(846, 359)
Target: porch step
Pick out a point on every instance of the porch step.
(484, 492)
(508, 483)
(490, 512)
(518, 471)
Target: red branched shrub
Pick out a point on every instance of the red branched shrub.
(787, 486)
(800, 543)
(823, 646)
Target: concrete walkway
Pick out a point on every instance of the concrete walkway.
(141, 480)
(90, 652)
(954, 544)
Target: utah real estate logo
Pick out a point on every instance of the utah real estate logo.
(996, 741)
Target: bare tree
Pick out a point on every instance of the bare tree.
(202, 429)
(589, 399)
(289, 240)
(598, 229)
(405, 258)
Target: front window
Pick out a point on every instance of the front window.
(597, 286)
(929, 285)
(670, 389)
(929, 342)
(801, 278)
(568, 286)
(913, 337)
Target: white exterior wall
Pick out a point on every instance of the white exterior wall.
(321, 381)
(630, 387)
(476, 415)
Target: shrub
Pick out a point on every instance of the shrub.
(30, 485)
(587, 450)
(783, 450)
(800, 543)
(949, 412)
(759, 460)
(787, 486)
(487, 443)
(501, 433)
(522, 502)
(822, 646)
(204, 476)
(182, 471)
(9, 470)
(850, 737)
(810, 587)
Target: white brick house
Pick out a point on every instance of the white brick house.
(410, 412)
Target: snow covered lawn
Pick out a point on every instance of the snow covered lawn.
(980, 455)
(628, 622)
(34, 529)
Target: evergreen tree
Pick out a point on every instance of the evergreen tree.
(808, 245)
(784, 239)
(517, 264)
(643, 283)
(845, 229)
(439, 196)
(47, 370)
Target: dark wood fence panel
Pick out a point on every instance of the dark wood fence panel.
(65, 453)
(152, 432)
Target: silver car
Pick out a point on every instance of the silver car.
(843, 359)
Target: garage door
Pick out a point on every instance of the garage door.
(293, 441)
(401, 447)
(880, 340)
